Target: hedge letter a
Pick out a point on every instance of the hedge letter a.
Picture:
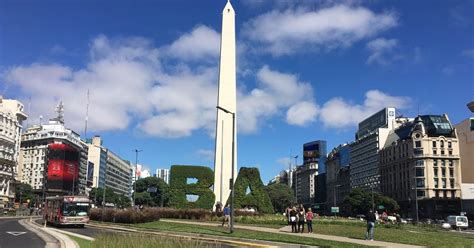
(258, 196)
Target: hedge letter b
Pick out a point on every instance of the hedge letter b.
(179, 187)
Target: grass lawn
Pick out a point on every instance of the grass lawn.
(83, 243)
(278, 237)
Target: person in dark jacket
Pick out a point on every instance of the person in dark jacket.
(370, 226)
(293, 219)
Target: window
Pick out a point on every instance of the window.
(450, 152)
(443, 183)
(450, 144)
(435, 172)
(450, 162)
(451, 172)
(472, 124)
(435, 152)
(420, 193)
(443, 163)
(435, 162)
(420, 172)
(441, 143)
(451, 183)
(418, 151)
(436, 182)
(419, 163)
(420, 182)
(434, 143)
(418, 143)
(443, 172)
(442, 152)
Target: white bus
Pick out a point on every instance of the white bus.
(67, 210)
(458, 222)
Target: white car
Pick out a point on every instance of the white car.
(458, 222)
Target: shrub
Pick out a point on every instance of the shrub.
(179, 187)
(258, 196)
(128, 216)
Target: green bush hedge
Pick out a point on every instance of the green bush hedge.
(128, 216)
(258, 196)
(179, 187)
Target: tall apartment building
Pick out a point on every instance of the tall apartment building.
(163, 174)
(36, 156)
(465, 132)
(314, 155)
(97, 158)
(337, 175)
(370, 138)
(420, 164)
(118, 174)
(11, 119)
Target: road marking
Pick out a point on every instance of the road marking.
(16, 233)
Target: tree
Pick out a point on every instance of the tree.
(96, 195)
(143, 198)
(360, 202)
(24, 192)
(156, 187)
(281, 196)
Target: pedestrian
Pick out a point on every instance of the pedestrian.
(293, 219)
(309, 220)
(301, 220)
(226, 215)
(370, 226)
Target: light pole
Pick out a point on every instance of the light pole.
(231, 226)
(136, 168)
(373, 204)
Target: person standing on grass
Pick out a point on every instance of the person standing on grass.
(226, 215)
(370, 226)
(309, 220)
(293, 219)
(301, 220)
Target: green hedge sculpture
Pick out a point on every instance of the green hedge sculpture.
(179, 187)
(258, 196)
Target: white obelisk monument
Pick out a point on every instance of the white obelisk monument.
(226, 99)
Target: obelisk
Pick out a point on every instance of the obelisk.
(226, 99)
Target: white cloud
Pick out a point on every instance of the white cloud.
(338, 113)
(468, 53)
(202, 43)
(276, 92)
(380, 50)
(206, 154)
(302, 113)
(298, 29)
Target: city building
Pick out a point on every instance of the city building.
(11, 120)
(118, 174)
(97, 158)
(145, 173)
(338, 175)
(420, 167)
(465, 132)
(370, 138)
(163, 174)
(56, 153)
(314, 156)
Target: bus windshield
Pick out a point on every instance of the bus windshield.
(75, 209)
(461, 219)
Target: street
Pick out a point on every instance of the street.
(14, 235)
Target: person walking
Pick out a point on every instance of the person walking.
(309, 220)
(370, 226)
(293, 219)
(226, 215)
(301, 220)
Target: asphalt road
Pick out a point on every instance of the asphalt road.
(14, 235)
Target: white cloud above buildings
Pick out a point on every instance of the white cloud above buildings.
(293, 30)
(340, 113)
(381, 51)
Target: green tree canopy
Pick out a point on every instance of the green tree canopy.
(156, 188)
(360, 202)
(96, 196)
(23, 191)
(281, 196)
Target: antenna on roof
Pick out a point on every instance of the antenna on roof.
(87, 115)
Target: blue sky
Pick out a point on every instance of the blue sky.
(307, 70)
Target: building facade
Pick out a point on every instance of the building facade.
(97, 158)
(337, 175)
(420, 165)
(163, 174)
(118, 174)
(314, 156)
(370, 138)
(465, 132)
(11, 120)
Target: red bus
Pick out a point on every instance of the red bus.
(67, 210)
(63, 168)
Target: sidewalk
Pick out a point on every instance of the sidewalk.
(287, 231)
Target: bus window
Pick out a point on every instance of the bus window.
(75, 209)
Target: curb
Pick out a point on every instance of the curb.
(50, 240)
(63, 240)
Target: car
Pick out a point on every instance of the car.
(446, 225)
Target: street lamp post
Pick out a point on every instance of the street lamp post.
(231, 226)
(136, 168)
(373, 204)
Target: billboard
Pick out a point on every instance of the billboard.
(63, 168)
